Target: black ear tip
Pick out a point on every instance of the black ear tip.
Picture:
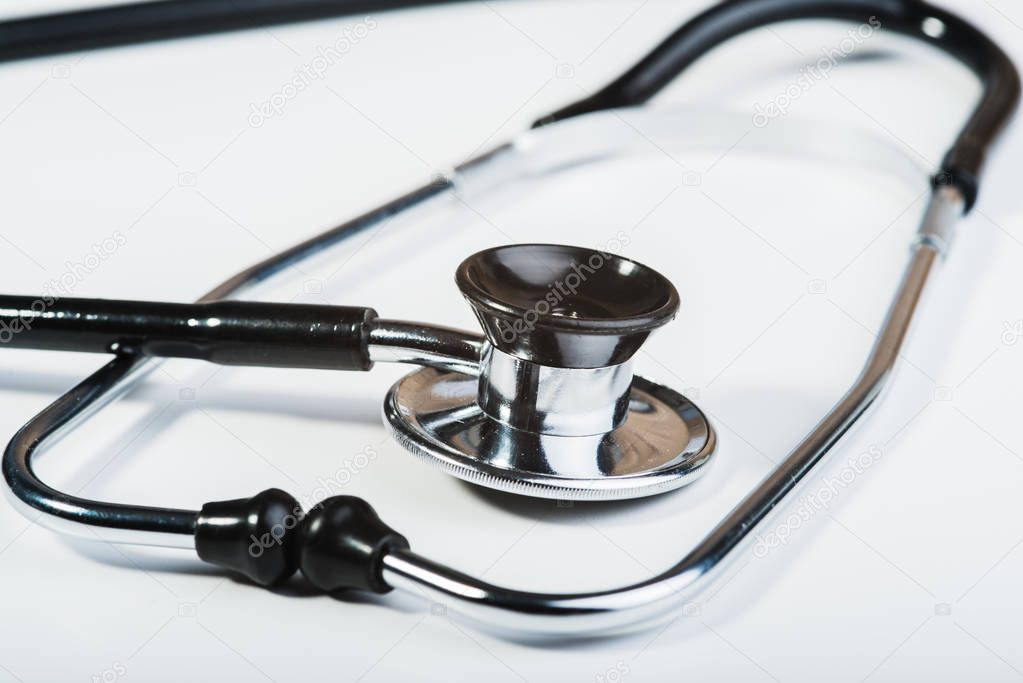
(342, 543)
(255, 536)
(339, 544)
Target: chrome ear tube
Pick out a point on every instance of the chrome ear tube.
(554, 410)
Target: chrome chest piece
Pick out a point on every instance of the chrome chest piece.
(555, 410)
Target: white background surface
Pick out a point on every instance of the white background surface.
(785, 265)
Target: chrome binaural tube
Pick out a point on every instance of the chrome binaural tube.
(597, 612)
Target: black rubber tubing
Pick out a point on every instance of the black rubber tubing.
(164, 19)
(250, 333)
(964, 161)
(134, 23)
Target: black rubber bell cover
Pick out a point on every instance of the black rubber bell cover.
(564, 306)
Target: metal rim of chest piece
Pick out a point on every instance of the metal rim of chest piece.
(664, 443)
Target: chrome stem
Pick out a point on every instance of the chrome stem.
(445, 348)
(554, 401)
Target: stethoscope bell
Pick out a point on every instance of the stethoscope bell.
(554, 410)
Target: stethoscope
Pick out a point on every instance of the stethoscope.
(544, 404)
